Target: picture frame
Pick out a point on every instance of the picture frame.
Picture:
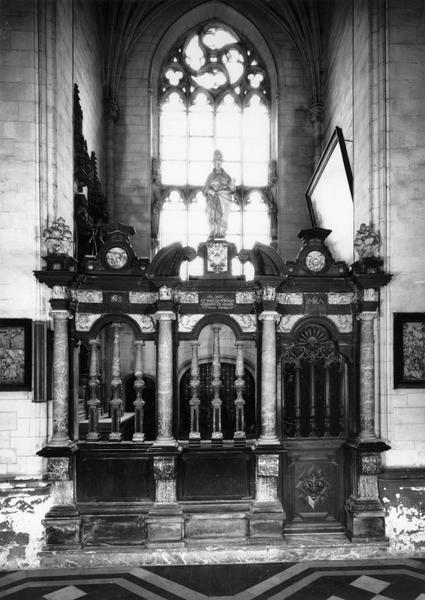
(15, 355)
(409, 350)
(329, 197)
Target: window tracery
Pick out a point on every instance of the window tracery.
(213, 94)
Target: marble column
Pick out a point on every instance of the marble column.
(367, 377)
(60, 377)
(365, 513)
(268, 379)
(165, 379)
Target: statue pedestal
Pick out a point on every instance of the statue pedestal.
(217, 255)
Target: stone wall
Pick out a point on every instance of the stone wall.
(338, 69)
(402, 492)
(43, 47)
(406, 217)
(23, 504)
(375, 89)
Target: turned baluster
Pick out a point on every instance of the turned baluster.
(94, 383)
(116, 383)
(139, 386)
(195, 383)
(312, 419)
(217, 435)
(297, 400)
(327, 416)
(343, 397)
(239, 435)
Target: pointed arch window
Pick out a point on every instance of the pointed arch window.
(214, 94)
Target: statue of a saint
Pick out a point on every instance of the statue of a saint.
(218, 191)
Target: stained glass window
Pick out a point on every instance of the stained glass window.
(214, 94)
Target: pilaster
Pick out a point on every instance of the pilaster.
(267, 515)
(165, 519)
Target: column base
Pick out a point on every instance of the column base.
(266, 521)
(167, 443)
(61, 532)
(264, 442)
(165, 525)
(365, 520)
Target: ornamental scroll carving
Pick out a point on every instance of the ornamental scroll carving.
(313, 488)
(145, 322)
(188, 297)
(344, 323)
(188, 322)
(245, 298)
(289, 298)
(90, 296)
(287, 322)
(142, 297)
(313, 344)
(85, 321)
(268, 465)
(341, 299)
(58, 469)
(164, 468)
(370, 464)
(247, 323)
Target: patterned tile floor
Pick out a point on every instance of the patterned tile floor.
(396, 579)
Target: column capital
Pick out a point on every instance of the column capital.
(367, 315)
(269, 315)
(60, 314)
(165, 315)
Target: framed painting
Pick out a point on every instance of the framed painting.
(329, 197)
(15, 354)
(409, 350)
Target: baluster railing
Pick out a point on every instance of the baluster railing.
(116, 386)
(194, 403)
(94, 384)
(312, 419)
(139, 386)
(342, 397)
(239, 436)
(217, 435)
(327, 415)
(297, 399)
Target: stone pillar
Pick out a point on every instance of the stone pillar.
(365, 513)
(62, 523)
(60, 379)
(165, 379)
(267, 514)
(268, 379)
(165, 519)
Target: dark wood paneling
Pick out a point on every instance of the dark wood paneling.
(216, 476)
(313, 484)
(114, 477)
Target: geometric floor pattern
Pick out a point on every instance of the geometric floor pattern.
(387, 579)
